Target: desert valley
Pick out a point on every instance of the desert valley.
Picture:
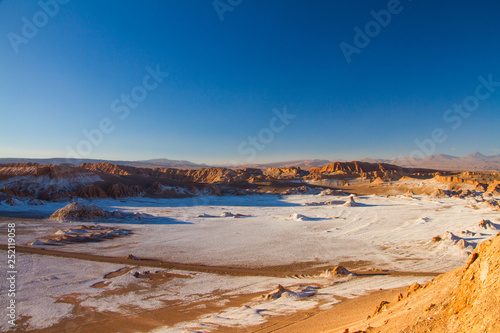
(249, 166)
(107, 247)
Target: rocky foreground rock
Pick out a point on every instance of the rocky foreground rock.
(466, 300)
(77, 211)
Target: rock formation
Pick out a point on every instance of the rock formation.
(337, 271)
(120, 190)
(296, 294)
(77, 211)
(13, 192)
(356, 167)
(298, 217)
(91, 191)
(285, 173)
(488, 225)
(450, 240)
(82, 234)
(350, 202)
(494, 188)
(101, 180)
(465, 300)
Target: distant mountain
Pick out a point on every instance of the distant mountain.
(303, 164)
(471, 162)
(54, 161)
(166, 163)
(154, 163)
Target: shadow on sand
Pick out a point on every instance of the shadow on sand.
(152, 220)
(31, 214)
(229, 201)
(43, 215)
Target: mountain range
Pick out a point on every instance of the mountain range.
(153, 163)
(472, 162)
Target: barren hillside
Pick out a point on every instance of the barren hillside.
(466, 300)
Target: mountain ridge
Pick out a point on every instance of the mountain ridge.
(474, 161)
(151, 163)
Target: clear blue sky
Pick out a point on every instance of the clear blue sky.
(226, 77)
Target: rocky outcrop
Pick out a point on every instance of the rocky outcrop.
(337, 271)
(350, 202)
(302, 190)
(46, 182)
(77, 211)
(206, 175)
(56, 172)
(113, 169)
(315, 170)
(494, 188)
(91, 191)
(252, 171)
(455, 179)
(223, 175)
(60, 172)
(465, 300)
(356, 167)
(285, 173)
(488, 225)
(10, 170)
(12, 201)
(295, 294)
(439, 193)
(462, 194)
(119, 190)
(160, 190)
(448, 240)
(367, 170)
(82, 234)
(481, 187)
(101, 180)
(13, 192)
(22, 169)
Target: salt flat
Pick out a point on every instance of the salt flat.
(388, 232)
(385, 233)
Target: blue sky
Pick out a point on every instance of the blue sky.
(225, 78)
